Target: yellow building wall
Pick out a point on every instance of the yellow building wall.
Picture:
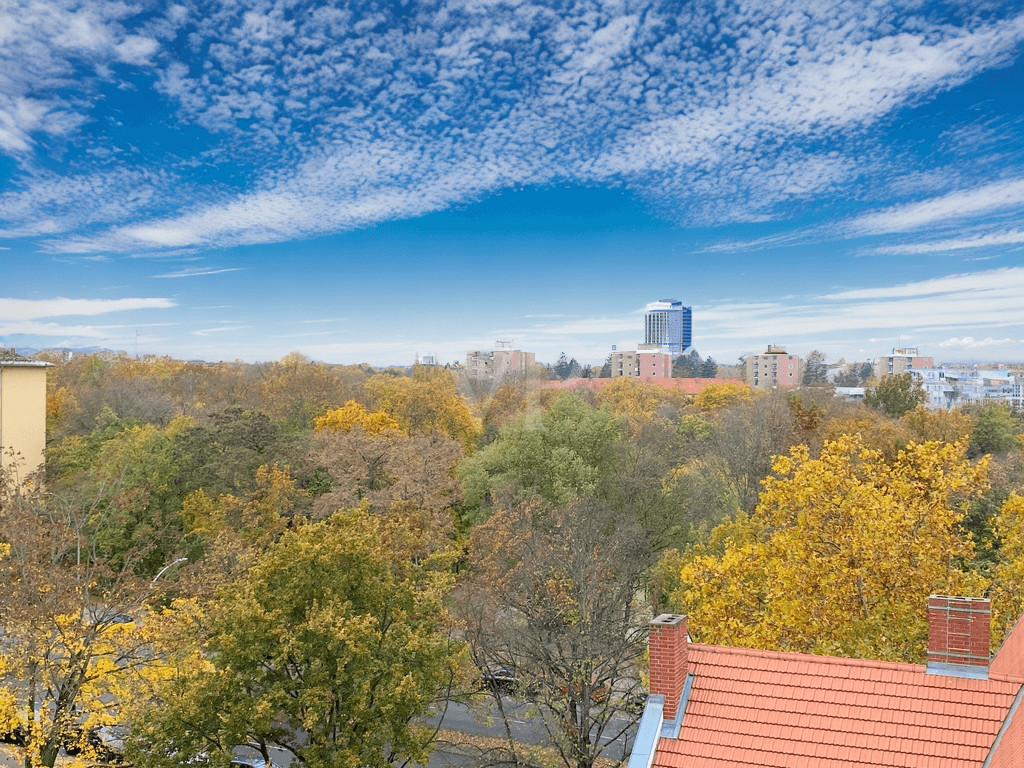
(22, 418)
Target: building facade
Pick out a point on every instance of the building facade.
(669, 325)
(644, 364)
(775, 369)
(901, 361)
(22, 416)
(498, 363)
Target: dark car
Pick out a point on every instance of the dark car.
(501, 680)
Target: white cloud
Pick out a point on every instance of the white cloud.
(965, 302)
(989, 198)
(198, 272)
(55, 47)
(349, 118)
(1010, 237)
(1009, 278)
(219, 329)
(969, 342)
(34, 309)
(30, 328)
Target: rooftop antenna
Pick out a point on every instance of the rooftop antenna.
(505, 343)
(136, 343)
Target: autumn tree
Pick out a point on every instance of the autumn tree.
(328, 648)
(390, 472)
(815, 368)
(945, 426)
(76, 635)
(352, 414)
(746, 430)
(1008, 570)
(551, 596)
(297, 390)
(723, 394)
(638, 402)
(895, 395)
(840, 553)
(427, 402)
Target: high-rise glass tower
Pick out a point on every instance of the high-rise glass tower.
(669, 324)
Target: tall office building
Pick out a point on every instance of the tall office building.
(668, 324)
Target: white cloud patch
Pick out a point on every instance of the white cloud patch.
(35, 309)
(979, 300)
(994, 197)
(971, 343)
(49, 53)
(51, 329)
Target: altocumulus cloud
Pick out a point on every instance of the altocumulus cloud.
(342, 116)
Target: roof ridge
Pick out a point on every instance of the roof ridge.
(814, 658)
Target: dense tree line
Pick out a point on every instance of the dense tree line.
(305, 557)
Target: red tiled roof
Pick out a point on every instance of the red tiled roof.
(763, 708)
(1009, 659)
(689, 386)
(1009, 663)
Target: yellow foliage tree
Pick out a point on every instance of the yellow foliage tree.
(947, 426)
(76, 635)
(637, 401)
(426, 402)
(352, 414)
(723, 394)
(1008, 572)
(840, 554)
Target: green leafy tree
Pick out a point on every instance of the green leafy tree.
(995, 431)
(559, 455)
(328, 648)
(895, 395)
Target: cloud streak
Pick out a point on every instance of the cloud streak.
(35, 309)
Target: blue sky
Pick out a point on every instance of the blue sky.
(370, 181)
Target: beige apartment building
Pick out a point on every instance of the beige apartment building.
(643, 363)
(775, 369)
(498, 363)
(22, 416)
(901, 361)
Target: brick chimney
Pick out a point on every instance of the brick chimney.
(669, 663)
(959, 635)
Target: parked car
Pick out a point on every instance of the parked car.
(501, 680)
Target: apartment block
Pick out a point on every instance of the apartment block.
(901, 361)
(498, 363)
(643, 363)
(774, 369)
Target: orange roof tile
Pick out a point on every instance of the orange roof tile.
(761, 708)
(689, 386)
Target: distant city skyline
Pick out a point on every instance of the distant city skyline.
(214, 181)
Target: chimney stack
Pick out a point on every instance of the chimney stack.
(959, 635)
(669, 663)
